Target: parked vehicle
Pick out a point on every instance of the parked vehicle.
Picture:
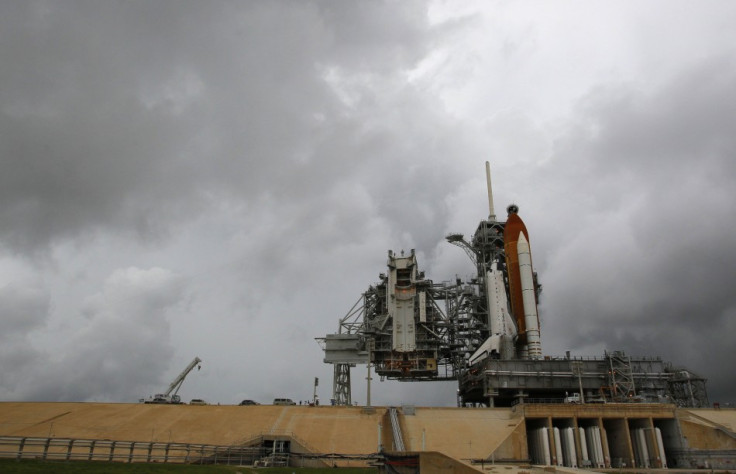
(283, 401)
(248, 402)
(197, 401)
(572, 398)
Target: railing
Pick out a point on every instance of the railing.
(126, 451)
(532, 401)
(396, 429)
(67, 449)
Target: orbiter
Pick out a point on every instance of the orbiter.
(513, 319)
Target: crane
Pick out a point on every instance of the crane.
(170, 395)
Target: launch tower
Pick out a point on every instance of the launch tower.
(485, 333)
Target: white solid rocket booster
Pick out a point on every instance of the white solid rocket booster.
(531, 318)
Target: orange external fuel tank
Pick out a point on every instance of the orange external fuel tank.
(514, 227)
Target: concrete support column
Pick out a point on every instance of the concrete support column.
(578, 449)
(604, 443)
(630, 447)
(658, 462)
(552, 442)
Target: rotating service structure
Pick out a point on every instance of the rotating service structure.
(485, 333)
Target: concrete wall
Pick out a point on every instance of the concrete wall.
(708, 429)
(348, 430)
(700, 436)
(462, 434)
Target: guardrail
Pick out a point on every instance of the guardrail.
(126, 451)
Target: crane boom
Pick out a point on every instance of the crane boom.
(170, 396)
(176, 384)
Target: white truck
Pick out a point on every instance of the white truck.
(572, 398)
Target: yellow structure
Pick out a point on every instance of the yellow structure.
(185, 433)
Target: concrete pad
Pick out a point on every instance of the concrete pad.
(460, 433)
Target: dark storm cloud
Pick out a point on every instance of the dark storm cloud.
(135, 120)
(648, 262)
(125, 115)
(80, 149)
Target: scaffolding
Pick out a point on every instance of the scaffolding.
(341, 384)
(621, 386)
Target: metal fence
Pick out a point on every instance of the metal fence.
(127, 451)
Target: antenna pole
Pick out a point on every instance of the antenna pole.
(491, 212)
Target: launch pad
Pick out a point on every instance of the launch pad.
(485, 333)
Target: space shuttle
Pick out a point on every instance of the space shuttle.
(521, 285)
(511, 297)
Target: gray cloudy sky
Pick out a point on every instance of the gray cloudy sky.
(223, 179)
